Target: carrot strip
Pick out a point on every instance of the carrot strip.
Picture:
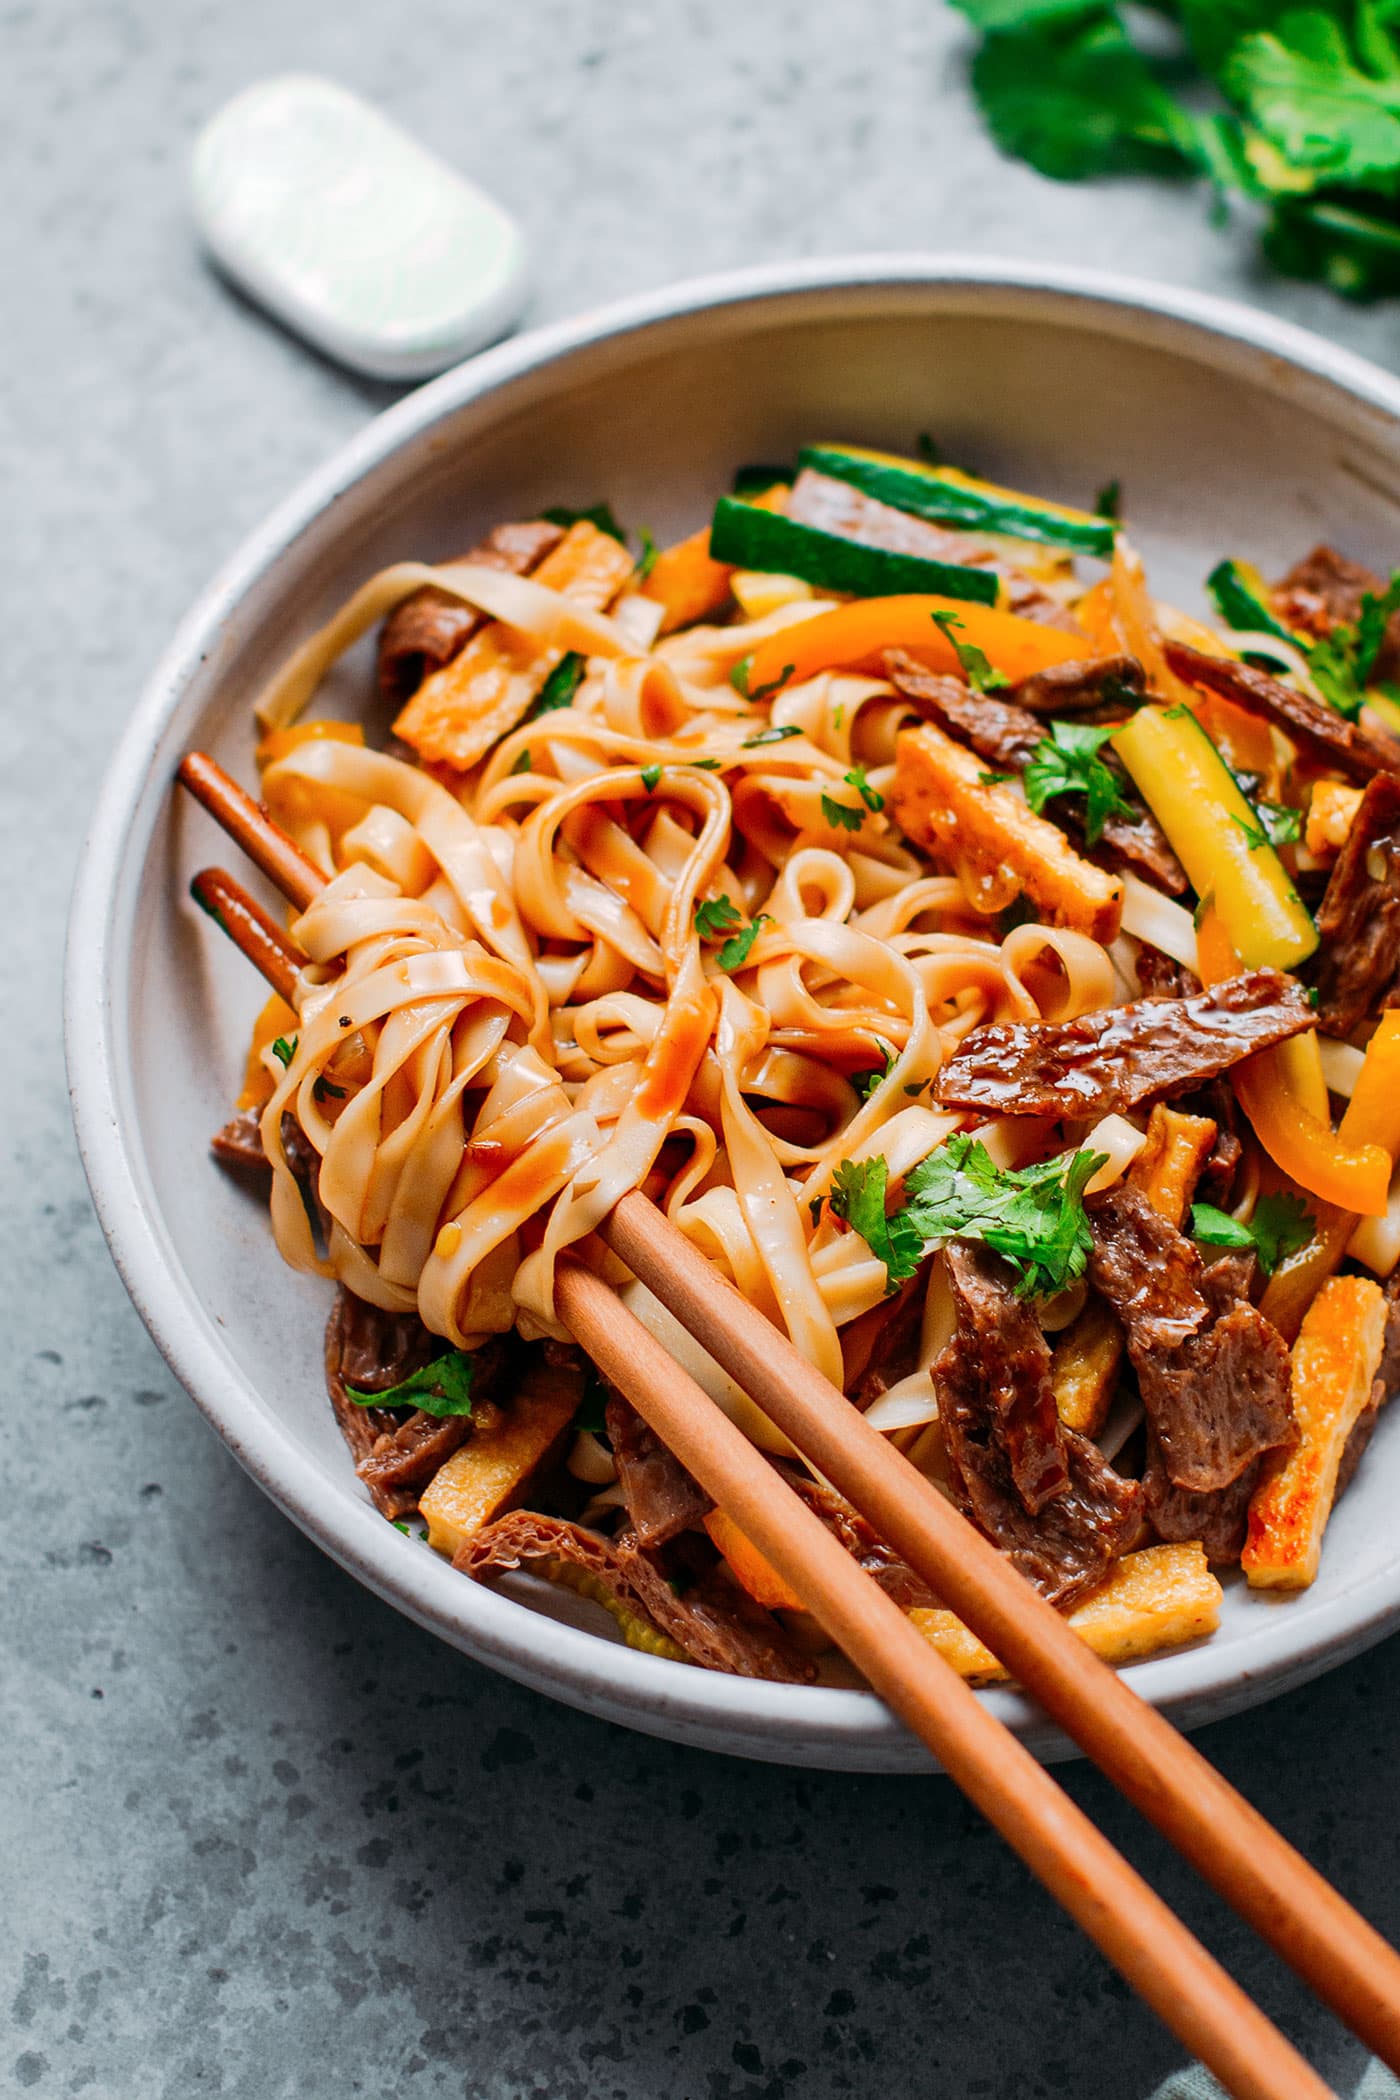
(859, 634)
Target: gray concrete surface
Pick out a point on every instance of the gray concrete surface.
(261, 1839)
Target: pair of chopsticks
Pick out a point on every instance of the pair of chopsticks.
(1244, 1858)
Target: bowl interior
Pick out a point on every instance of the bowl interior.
(1220, 447)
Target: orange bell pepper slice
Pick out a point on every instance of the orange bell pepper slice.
(1274, 1089)
(859, 633)
(757, 1575)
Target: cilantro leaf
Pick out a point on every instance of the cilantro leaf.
(1067, 763)
(976, 667)
(1255, 834)
(992, 780)
(646, 560)
(443, 1387)
(865, 1083)
(591, 1413)
(651, 776)
(1342, 661)
(559, 688)
(1299, 83)
(739, 679)
(285, 1051)
(1033, 1216)
(523, 764)
(1335, 242)
(858, 1190)
(873, 800)
(770, 736)
(1282, 825)
(1067, 90)
(715, 916)
(599, 514)
(324, 1090)
(735, 952)
(1281, 1225)
(1109, 501)
(840, 816)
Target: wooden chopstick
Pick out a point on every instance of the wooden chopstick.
(1272, 1885)
(1291, 1905)
(1151, 1947)
(248, 824)
(1126, 1919)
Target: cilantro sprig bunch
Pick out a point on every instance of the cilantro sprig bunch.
(1281, 1225)
(1067, 762)
(442, 1387)
(1306, 129)
(1033, 1216)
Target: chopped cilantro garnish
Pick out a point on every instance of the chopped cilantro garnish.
(559, 688)
(840, 816)
(1281, 1225)
(1341, 663)
(704, 765)
(646, 560)
(992, 780)
(735, 952)
(591, 1412)
(1255, 834)
(778, 735)
(651, 776)
(285, 1051)
(443, 1387)
(865, 1083)
(976, 666)
(324, 1090)
(715, 917)
(599, 514)
(523, 764)
(873, 800)
(1033, 1216)
(814, 1210)
(1067, 763)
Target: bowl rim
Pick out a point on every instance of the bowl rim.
(815, 1725)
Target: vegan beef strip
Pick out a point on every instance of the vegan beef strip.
(884, 1566)
(661, 1498)
(1212, 1371)
(834, 506)
(699, 1609)
(429, 628)
(1357, 967)
(1108, 686)
(1325, 590)
(396, 1450)
(1067, 1547)
(1319, 729)
(1122, 1057)
(1008, 737)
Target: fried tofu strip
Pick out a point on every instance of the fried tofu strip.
(1084, 1367)
(487, 1474)
(944, 801)
(459, 712)
(1335, 1359)
(1332, 809)
(1151, 1600)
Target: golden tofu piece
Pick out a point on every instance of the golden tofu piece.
(944, 801)
(1150, 1600)
(1335, 1360)
(1331, 811)
(1084, 1367)
(459, 712)
(486, 1474)
(1169, 1164)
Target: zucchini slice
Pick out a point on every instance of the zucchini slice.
(749, 538)
(951, 498)
(1240, 596)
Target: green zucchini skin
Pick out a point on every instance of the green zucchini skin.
(1239, 604)
(762, 539)
(927, 494)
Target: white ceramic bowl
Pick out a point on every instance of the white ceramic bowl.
(1230, 432)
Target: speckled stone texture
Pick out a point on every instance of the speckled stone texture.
(261, 1838)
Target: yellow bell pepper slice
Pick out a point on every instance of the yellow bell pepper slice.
(859, 633)
(1278, 1093)
(1189, 789)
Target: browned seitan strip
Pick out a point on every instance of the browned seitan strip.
(1319, 729)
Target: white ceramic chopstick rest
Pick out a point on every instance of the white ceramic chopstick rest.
(351, 232)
